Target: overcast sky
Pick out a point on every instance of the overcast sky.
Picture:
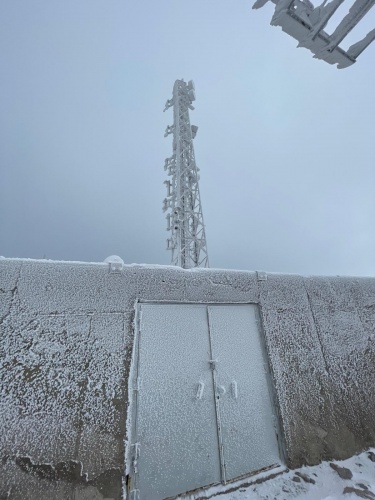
(286, 143)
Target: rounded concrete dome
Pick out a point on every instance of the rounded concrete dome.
(114, 259)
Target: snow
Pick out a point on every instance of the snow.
(114, 259)
(328, 484)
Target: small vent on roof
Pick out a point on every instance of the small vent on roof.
(116, 263)
(262, 276)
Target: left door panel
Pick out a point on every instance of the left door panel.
(175, 422)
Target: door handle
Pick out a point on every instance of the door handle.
(234, 389)
(200, 390)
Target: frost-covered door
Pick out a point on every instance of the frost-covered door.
(248, 434)
(175, 421)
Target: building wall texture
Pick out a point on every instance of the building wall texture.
(67, 333)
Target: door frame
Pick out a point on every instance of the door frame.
(131, 452)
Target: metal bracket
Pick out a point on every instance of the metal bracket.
(168, 104)
(262, 276)
(170, 244)
(169, 130)
(115, 267)
(169, 186)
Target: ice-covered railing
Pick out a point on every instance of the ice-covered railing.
(306, 23)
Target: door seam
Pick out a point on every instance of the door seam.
(217, 404)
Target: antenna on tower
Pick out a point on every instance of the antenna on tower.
(183, 204)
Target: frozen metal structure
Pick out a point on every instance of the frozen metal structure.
(306, 23)
(185, 219)
(214, 383)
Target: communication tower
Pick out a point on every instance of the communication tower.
(183, 204)
(307, 23)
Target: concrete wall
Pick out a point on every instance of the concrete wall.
(66, 339)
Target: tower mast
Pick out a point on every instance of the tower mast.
(185, 219)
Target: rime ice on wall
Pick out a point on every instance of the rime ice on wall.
(66, 331)
(323, 362)
(62, 379)
(344, 316)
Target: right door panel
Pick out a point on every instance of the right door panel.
(248, 433)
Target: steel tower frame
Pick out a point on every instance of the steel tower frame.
(185, 219)
(307, 23)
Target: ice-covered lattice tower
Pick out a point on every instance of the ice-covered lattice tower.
(307, 23)
(185, 219)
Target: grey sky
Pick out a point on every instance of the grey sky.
(285, 142)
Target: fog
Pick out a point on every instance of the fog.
(285, 144)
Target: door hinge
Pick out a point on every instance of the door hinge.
(137, 384)
(139, 319)
(136, 452)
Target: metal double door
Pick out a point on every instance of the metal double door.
(201, 410)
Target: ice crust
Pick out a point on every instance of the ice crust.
(306, 23)
(67, 337)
